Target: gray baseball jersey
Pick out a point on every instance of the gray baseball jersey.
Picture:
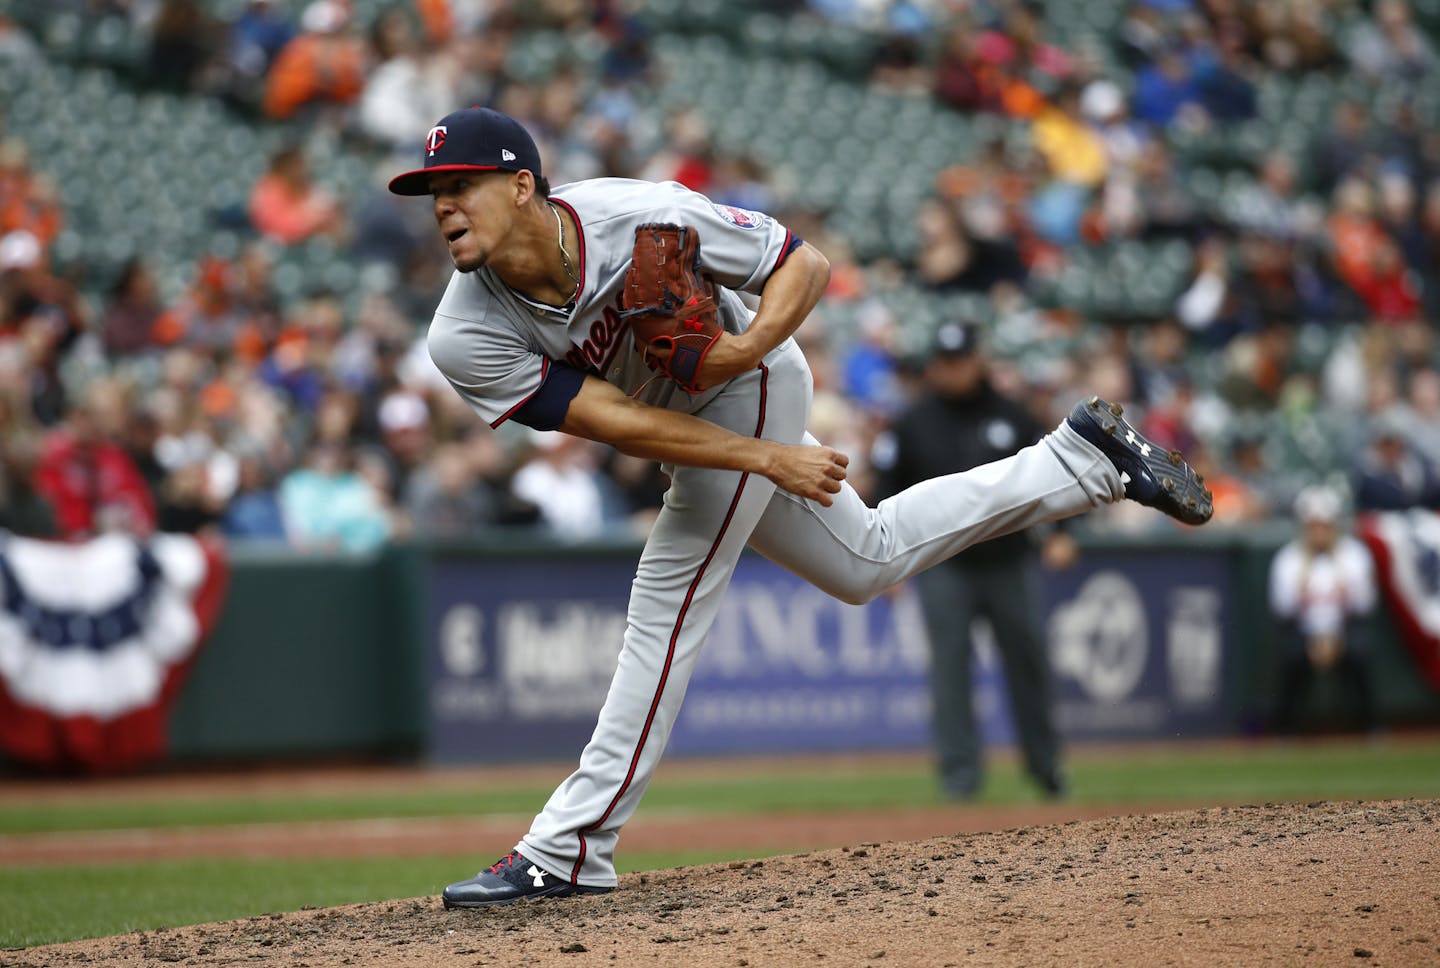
(496, 349)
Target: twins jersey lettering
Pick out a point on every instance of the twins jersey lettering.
(495, 346)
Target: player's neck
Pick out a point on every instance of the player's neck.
(540, 266)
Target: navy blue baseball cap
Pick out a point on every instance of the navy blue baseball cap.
(475, 139)
(958, 339)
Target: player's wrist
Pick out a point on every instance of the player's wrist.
(746, 350)
(727, 358)
(767, 458)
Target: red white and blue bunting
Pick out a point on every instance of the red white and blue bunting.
(95, 641)
(1406, 546)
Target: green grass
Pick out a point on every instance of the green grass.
(1271, 771)
(143, 813)
(43, 905)
(46, 904)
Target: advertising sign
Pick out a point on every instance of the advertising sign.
(1138, 645)
(522, 653)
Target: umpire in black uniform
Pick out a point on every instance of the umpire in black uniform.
(958, 422)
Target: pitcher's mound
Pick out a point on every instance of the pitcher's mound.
(1289, 884)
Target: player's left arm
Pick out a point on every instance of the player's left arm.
(586, 406)
(789, 295)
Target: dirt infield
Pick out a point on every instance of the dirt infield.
(1323, 884)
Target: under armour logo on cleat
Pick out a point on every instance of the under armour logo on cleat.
(1144, 448)
(538, 874)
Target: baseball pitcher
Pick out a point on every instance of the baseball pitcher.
(609, 309)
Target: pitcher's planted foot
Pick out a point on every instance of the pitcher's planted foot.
(511, 878)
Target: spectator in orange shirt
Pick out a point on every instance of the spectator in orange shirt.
(1354, 233)
(207, 317)
(288, 207)
(1388, 286)
(325, 63)
(28, 201)
(437, 19)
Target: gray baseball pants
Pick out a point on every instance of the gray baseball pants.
(849, 550)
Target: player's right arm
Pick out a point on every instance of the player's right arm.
(601, 412)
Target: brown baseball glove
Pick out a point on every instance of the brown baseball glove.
(669, 304)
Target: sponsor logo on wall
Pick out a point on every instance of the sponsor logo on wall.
(1137, 647)
(526, 660)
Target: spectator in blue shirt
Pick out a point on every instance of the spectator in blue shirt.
(1163, 88)
(327, 505)
(254, 512)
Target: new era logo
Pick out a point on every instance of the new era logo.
(506, 154)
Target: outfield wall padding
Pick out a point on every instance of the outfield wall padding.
(332, 656)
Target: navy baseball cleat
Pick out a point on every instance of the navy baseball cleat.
(1153, 476)
(511, 878)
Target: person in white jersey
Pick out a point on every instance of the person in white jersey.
(529, 330)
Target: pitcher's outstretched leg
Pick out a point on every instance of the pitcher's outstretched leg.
(1154, 476)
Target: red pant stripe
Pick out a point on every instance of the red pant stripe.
(674, 637)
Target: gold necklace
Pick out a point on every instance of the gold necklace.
(564, 253)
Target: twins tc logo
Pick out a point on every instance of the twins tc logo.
(435, 138)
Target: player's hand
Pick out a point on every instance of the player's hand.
(729, 357)
(809, 472)
(1324, 650)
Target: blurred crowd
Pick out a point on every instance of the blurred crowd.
(320, 421)
(1334, 242)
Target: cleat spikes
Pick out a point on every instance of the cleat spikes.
(1150, 475)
